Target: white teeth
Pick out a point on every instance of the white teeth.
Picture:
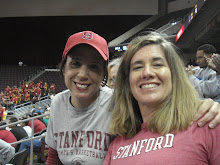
(81, 86)
(149, 86)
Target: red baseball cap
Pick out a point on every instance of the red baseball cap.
(90, 38)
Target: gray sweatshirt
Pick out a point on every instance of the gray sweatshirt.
(6, 152)
(80, 136)
(205, 82)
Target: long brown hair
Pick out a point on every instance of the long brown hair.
(174, 114)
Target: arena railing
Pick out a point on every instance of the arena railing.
(32, 133)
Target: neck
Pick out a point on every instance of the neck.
(146, 112)
(79, 103)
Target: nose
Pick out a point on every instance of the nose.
(83, 72)
(148, 72)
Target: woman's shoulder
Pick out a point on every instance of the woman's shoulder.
(205, 135)
(62, 95)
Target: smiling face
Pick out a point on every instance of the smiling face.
(83, 73)
(150, 76)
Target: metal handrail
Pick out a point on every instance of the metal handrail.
(32, 133)
(21, 121)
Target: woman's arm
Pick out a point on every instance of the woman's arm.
(53, 158)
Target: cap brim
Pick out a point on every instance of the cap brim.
(104, 56)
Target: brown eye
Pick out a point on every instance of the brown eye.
(158, 65)
(94, 66)
(75, 63)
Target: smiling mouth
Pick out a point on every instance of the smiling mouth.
(81, 86)
(148, 86)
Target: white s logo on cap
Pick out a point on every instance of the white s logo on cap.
(87, 36)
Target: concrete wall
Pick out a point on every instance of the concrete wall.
(180, 4)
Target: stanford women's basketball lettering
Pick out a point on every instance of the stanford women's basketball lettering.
(73, 143)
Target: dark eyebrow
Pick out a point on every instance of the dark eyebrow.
(154, 59)
(158, 59)
(93, 61)
(136, 63)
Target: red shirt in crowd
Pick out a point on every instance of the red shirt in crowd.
(7, 89)
(1, 96)
(33, 91)
(27, 97)
(23, 86)
(15, 90)
(40, 84)
(45, 86)
(14, 99)
(21, 91)
(52, 87)
(7, 136)
(39, 91)
(38, 125)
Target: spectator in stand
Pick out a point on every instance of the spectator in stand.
(4, 103)
(214, 63)
(52, 88)
(1, 96)
(112, 71)
(21, 92)
(18, 98)
(7, 135)
(14, 99)
(20, 63)
(204, 79)
(27, 144)
(45, 89)
(37, 85)
(38, 125)
(40, 118)
(33, 110)
(39, 110)
(40, 84)
(1, 113)
(7, 90)
(35, 99)
(30, 85)
(47, 111)
(39, 91)
(26, 127)
(33, 92)
(6, 152)
(27, 97)
(15, 90)
(46, 119)
(18, 131)
(23, 86)
(8, 96)
(11, 104)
